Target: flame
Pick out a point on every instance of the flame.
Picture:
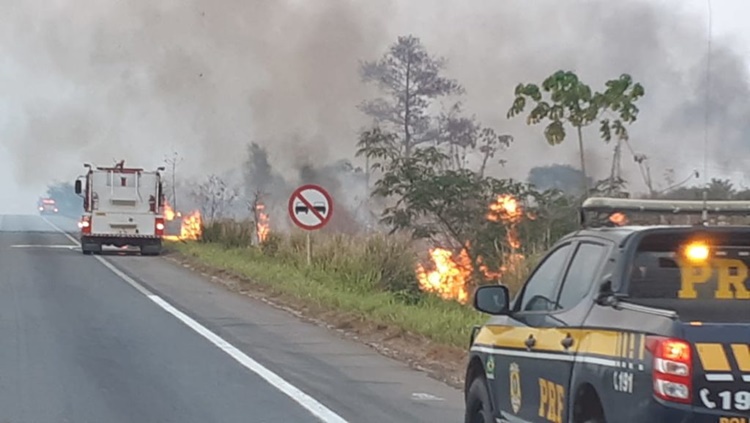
(449, 279)
(190, 227)
(451, 276)
(261, 225)
(169, 213)
(507, 210)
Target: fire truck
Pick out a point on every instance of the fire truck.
(47, 206)
(123, 206)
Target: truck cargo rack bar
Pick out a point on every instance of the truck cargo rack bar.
(610, 206)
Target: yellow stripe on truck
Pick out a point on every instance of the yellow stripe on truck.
(742, 355)
(600, 342)
(713, 357)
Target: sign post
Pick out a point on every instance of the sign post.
(310, 208)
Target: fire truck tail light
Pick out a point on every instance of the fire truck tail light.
(85, 224)
(672, 368)
(159, 226)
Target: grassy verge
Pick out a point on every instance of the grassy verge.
(347, 275)
(369, 277)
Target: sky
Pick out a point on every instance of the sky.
(97, 81)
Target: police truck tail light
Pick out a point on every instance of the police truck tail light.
(673, 368)
(159, 226)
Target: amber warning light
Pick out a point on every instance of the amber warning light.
(697, 251)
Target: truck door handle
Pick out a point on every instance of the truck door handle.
(567, 342)
(530, 342)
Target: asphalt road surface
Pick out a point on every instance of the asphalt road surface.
(124, 338)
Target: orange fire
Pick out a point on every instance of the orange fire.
(169, 213)
(507, 210)
(451, 276)
(261, 224)
(190, 228)
(449, 279)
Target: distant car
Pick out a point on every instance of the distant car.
(47, 206)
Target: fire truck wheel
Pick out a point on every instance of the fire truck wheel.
(89, 247)
(151, 249)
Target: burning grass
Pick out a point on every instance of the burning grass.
(372, 276)
(191, 225)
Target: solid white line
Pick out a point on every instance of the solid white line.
(312, 405)
(515, 353)
(309, 403)
(42, 246)
(721, 377)
(746, 378)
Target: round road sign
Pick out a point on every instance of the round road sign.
(310, 207)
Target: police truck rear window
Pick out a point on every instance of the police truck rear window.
(703, 277)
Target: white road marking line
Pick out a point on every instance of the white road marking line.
(69, 247)
(720, 377)
(320, 411)
(746, 378)
(425, 397)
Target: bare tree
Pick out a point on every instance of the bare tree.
(172, 161)
(214, 197)
(411, 78)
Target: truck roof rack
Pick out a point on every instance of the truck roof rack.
(611, 206)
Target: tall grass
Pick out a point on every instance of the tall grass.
(370, 275)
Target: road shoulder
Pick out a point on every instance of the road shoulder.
(313, 355)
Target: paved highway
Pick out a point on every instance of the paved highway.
(121, 338)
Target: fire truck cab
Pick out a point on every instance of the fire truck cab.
(122, 207)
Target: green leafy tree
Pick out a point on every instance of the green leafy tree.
(570, 101)
(432, 200)
(411, 80)
(553, 215)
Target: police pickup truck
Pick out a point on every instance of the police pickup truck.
(623, 322)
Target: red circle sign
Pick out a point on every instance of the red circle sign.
(310, 207)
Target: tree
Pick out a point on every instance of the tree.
(555, 214)
(571, 101)
(434, 201)
(172, 162)
(412, 79)
(257, 169)
(214, 197)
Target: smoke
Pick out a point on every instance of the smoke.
(103, 80)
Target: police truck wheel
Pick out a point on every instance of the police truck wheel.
(478, 406)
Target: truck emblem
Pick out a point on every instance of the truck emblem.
(515, 387)
(490, 367)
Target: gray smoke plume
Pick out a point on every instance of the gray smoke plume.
(105, 80)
